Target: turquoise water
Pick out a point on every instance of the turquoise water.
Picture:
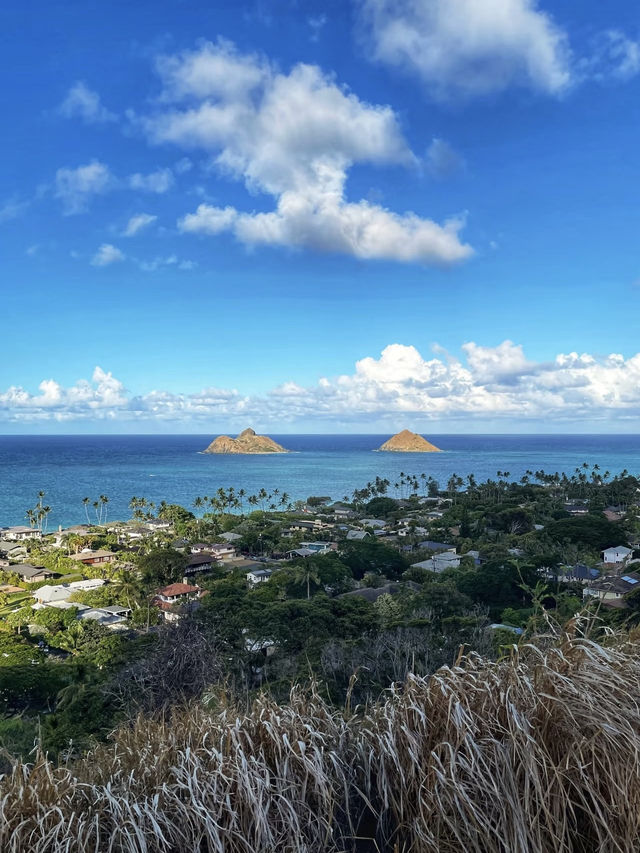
(172, 468)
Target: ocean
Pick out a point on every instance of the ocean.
(173, 468)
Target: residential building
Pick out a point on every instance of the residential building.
(617, 554)
(31, 574)
(176, 599)
(20, 533)
(258, 576)
(94, 558)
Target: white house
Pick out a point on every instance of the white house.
(618, 554)
(20, 533)
(257, 576)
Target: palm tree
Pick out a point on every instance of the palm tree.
(85, 501)
(104, 500)
(306, 573)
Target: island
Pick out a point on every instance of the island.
(409, 442)
(246, 442)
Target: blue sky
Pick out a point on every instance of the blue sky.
(316, 216)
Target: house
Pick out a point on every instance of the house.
(306, 524)
(617, 554)
(428, 545)
(93, 558)
(439, 562)
(299, 552)
(375, 523)
(20, 533)
(341, 511)
(576, 508)
(412, 531)
(230, 537)
(357, 535)
(111, 616)
(51, 593)
(156, 525)
(223, 551)
(176, 599)
(12, 550)
(258, 576)
(31, 574)
(372, 594)
(611, 590)
(319, 547)
(576, 574)
(197, 563)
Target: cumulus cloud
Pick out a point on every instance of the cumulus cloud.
(293, 136)
(486, 383)
(137, 223)
(466, 47)
(76, 187)
(84, 103)
(156, 182)
(107, 255)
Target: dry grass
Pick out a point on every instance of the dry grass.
(537, 752)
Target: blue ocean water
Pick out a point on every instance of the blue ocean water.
(174, 469)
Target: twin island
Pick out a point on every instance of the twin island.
(249, 442)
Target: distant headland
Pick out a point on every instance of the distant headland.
(246, 442)
(409, 442)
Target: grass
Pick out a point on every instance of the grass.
(539, 751)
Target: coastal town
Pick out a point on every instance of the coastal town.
(394, 573)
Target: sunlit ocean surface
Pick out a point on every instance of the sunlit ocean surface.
(172, 468)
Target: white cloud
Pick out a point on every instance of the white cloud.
(469, 47)
(156, 182)
(107, 255)
(441, 159)
(209, 220)
(487, 384)
(294, 137)
(12, 209)
(75, 187)
(614, 57)
(183, 166)
(167, 261)
(137, 223)
(85, 104)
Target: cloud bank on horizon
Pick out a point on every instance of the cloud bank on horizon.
(487, 382)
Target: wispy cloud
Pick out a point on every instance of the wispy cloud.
(138, 223)
(155, 182)
(84, 103)
(12, 209)
(76, 187)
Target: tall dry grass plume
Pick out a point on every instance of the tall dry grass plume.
(539, 751)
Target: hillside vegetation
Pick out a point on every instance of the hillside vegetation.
(537, 751)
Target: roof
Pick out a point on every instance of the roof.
(618, 549)
(261, 573)
(178, 589)
(199, 559)
(90, 555)
(28, 571)
(435, 546)
(230, 537)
